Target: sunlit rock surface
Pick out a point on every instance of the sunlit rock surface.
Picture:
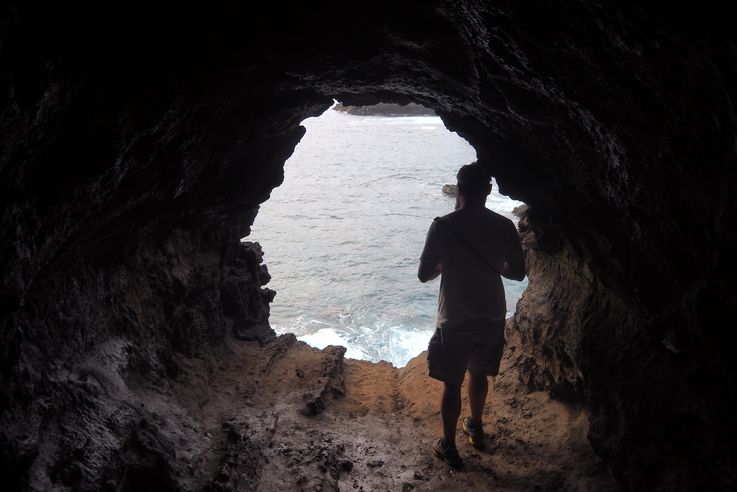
(137, 146)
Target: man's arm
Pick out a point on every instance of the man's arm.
(430, 266)
(428, 271)
(514, 270)
(514, 266)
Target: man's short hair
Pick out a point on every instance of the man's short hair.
(473, 181)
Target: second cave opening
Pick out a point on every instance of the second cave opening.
(343, 234)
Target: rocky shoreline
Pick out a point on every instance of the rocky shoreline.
(386, 109)
(287, 416)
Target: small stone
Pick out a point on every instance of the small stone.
(450, 189)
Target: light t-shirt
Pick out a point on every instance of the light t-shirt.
(469, 288)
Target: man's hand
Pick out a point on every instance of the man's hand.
(427, 272)
(514, 271)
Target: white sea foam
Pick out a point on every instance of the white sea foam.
(406, 344)
(328, 336)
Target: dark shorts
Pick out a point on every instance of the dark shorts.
(475, 345)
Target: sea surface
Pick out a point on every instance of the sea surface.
(342, 236)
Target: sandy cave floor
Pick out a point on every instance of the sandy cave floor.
(287, 416)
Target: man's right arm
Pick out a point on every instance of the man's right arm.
(514, 270)
(514, 265)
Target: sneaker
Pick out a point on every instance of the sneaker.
(475, 431)
(449, 454)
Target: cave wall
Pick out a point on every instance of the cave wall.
(95, 341)
(126, 130)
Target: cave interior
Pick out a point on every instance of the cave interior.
(138, 145)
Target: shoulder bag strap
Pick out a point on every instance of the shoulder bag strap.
(466, 243)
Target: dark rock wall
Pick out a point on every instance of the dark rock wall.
(93, 339)
(138, 144)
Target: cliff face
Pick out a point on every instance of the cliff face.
(138, 145)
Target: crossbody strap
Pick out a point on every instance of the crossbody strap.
(466, 243)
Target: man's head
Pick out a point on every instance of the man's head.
(474, 184)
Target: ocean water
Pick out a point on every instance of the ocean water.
(342, 236)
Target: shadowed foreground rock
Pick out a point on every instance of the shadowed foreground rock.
(138, 145)
(285, 416)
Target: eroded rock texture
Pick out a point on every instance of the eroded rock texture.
(137, 146)
(93, 343)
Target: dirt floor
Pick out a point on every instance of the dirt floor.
(286, 416)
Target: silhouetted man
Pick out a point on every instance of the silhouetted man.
(471, 248)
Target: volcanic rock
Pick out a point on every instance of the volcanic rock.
(450, 189)
(384, 109)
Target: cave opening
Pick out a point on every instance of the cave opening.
(342, 235)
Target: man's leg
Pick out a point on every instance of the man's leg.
(478, 388)
(450, 411)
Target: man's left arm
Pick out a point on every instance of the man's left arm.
(430, 266)
(428, 271)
